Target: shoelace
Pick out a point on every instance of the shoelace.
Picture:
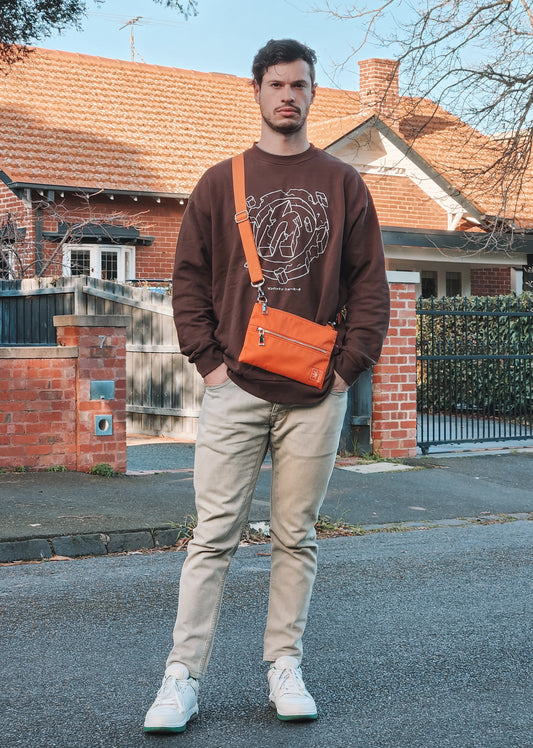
(291, 681)
(167, 692)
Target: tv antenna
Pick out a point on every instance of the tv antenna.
(132, 22)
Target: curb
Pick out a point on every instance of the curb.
(93, 544)
(103, 544)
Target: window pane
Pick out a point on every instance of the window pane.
(453, 284)
(5, 269)
(109, 265)
(80, 262)
(429, 283)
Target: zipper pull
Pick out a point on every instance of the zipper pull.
(261, 335)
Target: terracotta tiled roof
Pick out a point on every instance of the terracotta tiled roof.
(325, 132)
(86, 121)
(466, 158)
(74, 120)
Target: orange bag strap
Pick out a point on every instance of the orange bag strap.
(242, 219)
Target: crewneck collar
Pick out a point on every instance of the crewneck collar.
(275, 158)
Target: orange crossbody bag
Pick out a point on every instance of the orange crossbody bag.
(275, 340)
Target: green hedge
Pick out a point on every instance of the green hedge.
(476, 355)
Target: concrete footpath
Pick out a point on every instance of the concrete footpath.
(49, 514)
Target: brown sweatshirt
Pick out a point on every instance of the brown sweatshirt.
(317, 234)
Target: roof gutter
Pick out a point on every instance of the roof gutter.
(21, 186)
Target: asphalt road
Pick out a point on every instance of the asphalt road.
(418, 639)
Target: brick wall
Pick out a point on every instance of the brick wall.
(490, 281)
(157, 261)
(162, 220)
(400, 202)
(37, 420)
(394, 380)
(47, 416)
(10, 203)
(13, 209)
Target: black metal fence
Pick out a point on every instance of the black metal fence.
(474, 369)
(27, 310)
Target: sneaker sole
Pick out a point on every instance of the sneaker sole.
(165, 728)
(293, 717)
(296, 717)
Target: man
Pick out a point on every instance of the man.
(318, 238)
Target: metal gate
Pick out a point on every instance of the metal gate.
(474, 370)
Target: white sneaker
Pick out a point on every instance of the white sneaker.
(175, 704)
(288, 694)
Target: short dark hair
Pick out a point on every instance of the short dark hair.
(282, 50)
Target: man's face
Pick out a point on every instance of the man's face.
(285, 95)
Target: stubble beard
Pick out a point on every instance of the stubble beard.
(286, 128)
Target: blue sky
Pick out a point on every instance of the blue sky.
(223, 38)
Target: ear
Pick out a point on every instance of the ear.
(313, 92)
(257, 91)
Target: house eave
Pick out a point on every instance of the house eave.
(519, 243)
(20, 187)
(409, 152)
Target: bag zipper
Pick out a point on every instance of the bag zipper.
(262, 331)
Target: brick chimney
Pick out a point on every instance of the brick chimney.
(379, 85)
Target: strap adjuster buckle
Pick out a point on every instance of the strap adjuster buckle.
(241, 216)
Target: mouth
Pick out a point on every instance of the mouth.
(287, 111)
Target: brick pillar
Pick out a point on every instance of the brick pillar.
(394, 381)
(101, 343)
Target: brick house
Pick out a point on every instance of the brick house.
(98, 158)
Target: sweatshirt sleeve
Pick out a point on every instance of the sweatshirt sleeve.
(192, 285)
(365, 285)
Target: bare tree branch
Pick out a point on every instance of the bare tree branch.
(527, 8)
(472, 58)
(16, 259)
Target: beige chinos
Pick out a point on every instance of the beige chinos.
(235, 430)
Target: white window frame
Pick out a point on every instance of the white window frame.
(125, 259)
(440, 268)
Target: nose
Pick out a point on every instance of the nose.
(288, 93)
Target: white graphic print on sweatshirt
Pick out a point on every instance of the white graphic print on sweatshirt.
(291, 229)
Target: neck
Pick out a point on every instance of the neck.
(283, 145)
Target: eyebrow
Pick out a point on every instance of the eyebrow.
(293, 83)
